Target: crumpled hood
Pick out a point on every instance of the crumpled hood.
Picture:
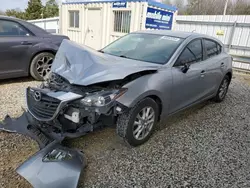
(82, 65)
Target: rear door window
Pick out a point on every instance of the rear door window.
(10, 28)
(212, 48)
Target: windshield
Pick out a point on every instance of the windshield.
(144, 47)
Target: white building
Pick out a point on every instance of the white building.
(97, 23)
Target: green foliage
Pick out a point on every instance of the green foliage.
(34, 10)
(15, 13)
(51, 9)
(211, 7)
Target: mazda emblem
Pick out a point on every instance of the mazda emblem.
(37, 96)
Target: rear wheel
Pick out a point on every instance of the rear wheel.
(137, 125)
(222, 91)
(41, 65)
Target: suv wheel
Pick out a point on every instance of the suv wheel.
(41, 65)
(222, 91)
(136, 125)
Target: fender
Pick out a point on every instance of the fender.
(149, 85)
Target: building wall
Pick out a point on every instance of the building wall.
(107, 35)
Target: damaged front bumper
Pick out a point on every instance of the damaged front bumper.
(54, 115)
(54, 165)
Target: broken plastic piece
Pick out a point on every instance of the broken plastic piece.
(25, 125)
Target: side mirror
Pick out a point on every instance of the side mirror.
(185, 68)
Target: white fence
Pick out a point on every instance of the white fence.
(236, 30)
(49, 24)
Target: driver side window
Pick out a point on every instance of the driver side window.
(10, 28)
(193, 53)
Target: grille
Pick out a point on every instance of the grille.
(42, 107)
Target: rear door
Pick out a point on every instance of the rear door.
(15, 42)
(215, 65)
(188, 87)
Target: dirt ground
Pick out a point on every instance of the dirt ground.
(205, 146)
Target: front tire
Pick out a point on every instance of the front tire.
(222, 91)
(41, 65)
(137, 124)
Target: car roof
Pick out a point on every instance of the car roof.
(9, 18)
(179, 34)
(32, 27)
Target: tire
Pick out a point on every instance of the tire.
(127, 123)
(222, 91)
(41, 65)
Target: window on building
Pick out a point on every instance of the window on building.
(74, 19)
(122, 21)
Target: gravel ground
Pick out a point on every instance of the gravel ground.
(205, 146)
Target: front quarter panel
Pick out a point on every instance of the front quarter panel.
(158, 84)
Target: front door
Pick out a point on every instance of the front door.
(14, 45)
(93, 32)
(189, 86)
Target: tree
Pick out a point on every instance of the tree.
(180, 5)
(167, 2)
(216, 7)
(51, 9)
(241, 7)
(34, 10)
(15, 13)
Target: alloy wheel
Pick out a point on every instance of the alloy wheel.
(43, 65)
(143, 123)
(223, 88)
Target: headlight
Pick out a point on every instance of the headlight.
(102, 98)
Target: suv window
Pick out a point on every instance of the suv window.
(192, 53)
(212, 48)
(10, 28)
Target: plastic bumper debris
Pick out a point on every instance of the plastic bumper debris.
(54, 165)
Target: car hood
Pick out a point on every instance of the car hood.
(82, 65)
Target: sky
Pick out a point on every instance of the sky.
(13, 4)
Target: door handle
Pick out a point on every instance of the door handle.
(26, 43)
(222, 65)
(203, 73)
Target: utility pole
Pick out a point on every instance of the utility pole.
(225, 8)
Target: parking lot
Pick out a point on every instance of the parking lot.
(205, 146)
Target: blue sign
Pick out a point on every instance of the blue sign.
(159, 19)
(120, 4)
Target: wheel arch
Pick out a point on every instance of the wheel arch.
(158, 102)
(153, 94)
(230, 74)
(39, 52)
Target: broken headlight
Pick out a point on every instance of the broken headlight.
(102, 98)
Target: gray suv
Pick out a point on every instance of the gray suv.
(26, 49)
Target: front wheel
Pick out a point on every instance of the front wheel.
(222, 91)
(41, 65)
(136, 125)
